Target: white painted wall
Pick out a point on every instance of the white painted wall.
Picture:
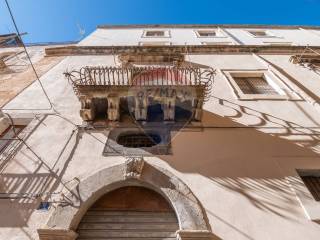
(238, 166)
(182, 36)
(239, 175)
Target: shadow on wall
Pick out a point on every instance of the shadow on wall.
(21, 194)
(242, 158)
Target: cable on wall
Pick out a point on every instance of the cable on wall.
(28, 56)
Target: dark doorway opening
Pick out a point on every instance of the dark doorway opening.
(155, 113)
(183, 111)
(101, 108)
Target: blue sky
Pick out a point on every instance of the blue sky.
(57, 20)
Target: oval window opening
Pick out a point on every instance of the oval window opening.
(139, 140)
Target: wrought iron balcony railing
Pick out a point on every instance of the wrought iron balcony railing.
(143, 76)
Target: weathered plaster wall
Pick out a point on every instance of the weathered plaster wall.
(238, 165)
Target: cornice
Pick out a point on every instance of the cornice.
(133, 26)
(191, 49)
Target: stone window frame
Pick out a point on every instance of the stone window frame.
(167, 33)
(269, 34)
(278, 83)
(155, 43)
(278, 43)
(310, 206)
(216, 43)
(218, 33)
(113, 148)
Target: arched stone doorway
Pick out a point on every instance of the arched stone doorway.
(65, 218)
(129, 213)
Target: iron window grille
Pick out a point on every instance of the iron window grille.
(255, 85)
(155, 33)
(139, 140)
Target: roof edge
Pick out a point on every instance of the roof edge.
(133, 26)
(192, 49)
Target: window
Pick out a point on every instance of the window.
(7, 136)
(206, 33)
(313, 185)
(156, 34)
(261, 33)
(139, 140)
(259, 84)
(159, 43)
(254, 85)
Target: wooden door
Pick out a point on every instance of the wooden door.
(129, 213)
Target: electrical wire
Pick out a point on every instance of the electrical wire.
(27, 54)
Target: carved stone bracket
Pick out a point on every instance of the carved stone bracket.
(141, 104)
(134, 167)
(87, 109)
(113, 108)
(169, 109)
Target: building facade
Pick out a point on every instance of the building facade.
(163, 132)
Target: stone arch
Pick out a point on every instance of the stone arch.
(135, 172)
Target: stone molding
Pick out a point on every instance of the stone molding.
(176, 49)
(66, 217)
(54, 234)
(196, 235)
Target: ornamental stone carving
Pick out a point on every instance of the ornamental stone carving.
(134, 167)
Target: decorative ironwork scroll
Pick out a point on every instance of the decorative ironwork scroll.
(143, 76)
(310, 61)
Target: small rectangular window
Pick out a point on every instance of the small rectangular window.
(156, 34)
(254, 85)
(8, 135)
(206, 33)
(258, 33)
(259, 84)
